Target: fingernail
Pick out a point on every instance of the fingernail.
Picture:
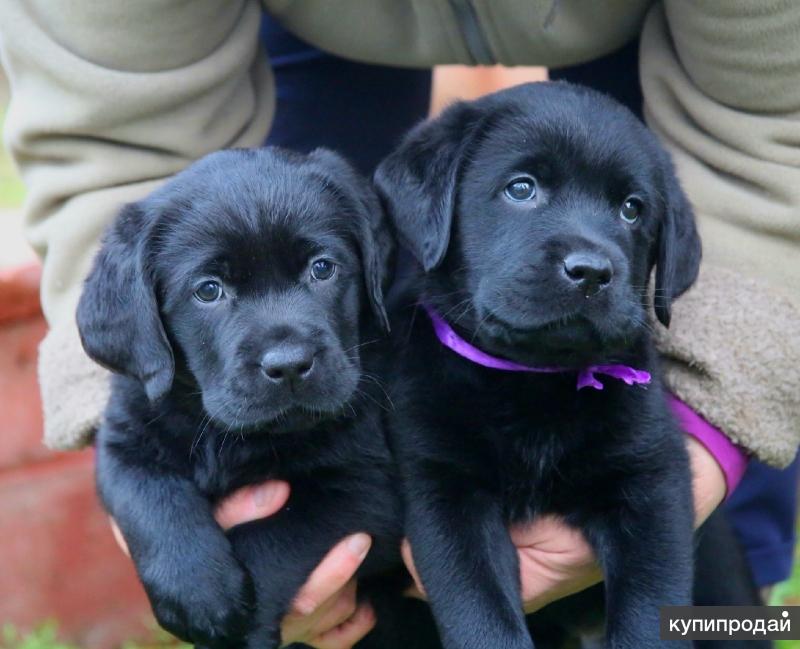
(264, 494)
(303, 606)
(364, 612)
(358, 544)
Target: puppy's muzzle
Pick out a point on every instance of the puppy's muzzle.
(588, 272)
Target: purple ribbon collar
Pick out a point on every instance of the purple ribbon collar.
(586, 376)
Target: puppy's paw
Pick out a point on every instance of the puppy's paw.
(210, 604)
(264, 637)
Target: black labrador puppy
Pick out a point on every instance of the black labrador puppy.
(537, 215)
(239, 305)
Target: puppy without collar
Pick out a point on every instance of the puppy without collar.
(241, 306)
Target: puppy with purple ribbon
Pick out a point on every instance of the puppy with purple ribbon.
(526, 381)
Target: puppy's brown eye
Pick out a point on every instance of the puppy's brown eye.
(208, 292)
(322, 269)
(631, 209)
(521, 189)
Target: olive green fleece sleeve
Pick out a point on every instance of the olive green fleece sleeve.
(109, 97)
(423, 33)
(721, 82)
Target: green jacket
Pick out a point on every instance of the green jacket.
(109, 97)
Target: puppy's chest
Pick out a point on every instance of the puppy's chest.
(325, 458)
(542, 466)
(549, 451)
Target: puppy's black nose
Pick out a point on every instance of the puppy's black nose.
(589, 271)
(288, 363)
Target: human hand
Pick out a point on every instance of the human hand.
(555, 560)
(325, 613)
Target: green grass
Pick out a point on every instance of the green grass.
(46, 636)
(11, 189)
(787, 593)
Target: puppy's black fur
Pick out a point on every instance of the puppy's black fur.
(537, 215)
(239, 305)
(723, 578)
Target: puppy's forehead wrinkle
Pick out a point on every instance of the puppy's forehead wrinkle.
(246, 186)
(564, 150)
(285, 236)
(527, 115)
(282, 303)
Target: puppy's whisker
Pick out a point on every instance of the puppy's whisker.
(154, 419)
(478, 328)
(638, 321)
(360, 345)
(359, 394)
(234, 422)
(373, 399)
(442, 296)
(224, 439)
(208, 419)
(376, 380)
(204, 422)
(467, 308)
(458, 305)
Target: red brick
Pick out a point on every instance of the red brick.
(20, 407)
(59, 559)
(19, 292)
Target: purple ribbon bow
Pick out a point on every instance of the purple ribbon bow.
(586, 376)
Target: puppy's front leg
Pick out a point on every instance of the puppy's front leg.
(198, 589)
(281, 551)
(467, 564)
(646, 555)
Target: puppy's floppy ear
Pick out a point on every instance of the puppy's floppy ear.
(371, 230)
(418, 181)
(118, 316)
(679, 247)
